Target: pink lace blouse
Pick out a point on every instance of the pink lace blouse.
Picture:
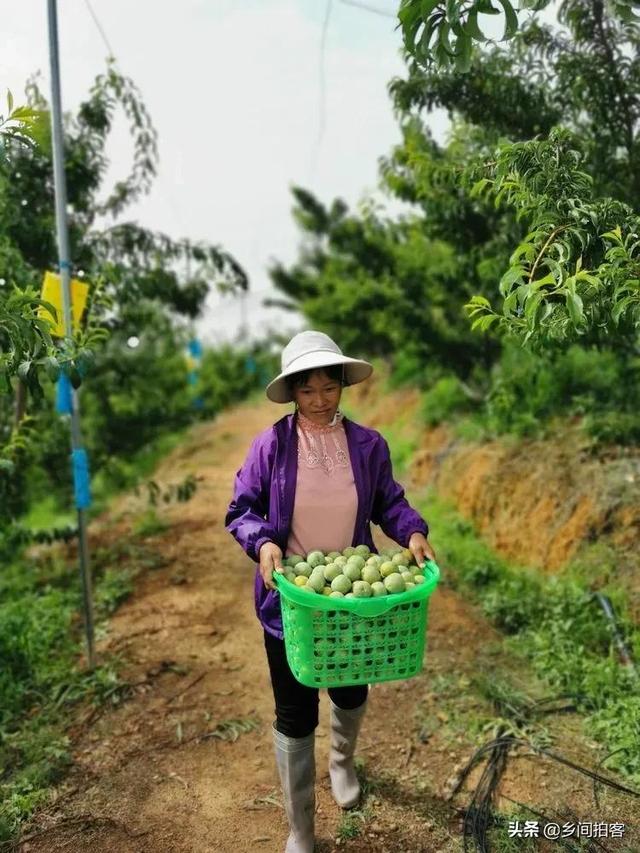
(326, 501)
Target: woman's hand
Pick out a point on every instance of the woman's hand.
(421, 549)
(270, 561)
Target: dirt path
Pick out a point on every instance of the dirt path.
(144, 779)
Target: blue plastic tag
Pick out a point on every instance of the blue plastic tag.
(64, 398)
(80, 464)
(195, 348)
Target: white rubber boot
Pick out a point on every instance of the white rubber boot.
(296, 765)
(345, 726)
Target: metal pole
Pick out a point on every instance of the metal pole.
(65, 276)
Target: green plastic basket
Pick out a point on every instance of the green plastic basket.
(332, 642)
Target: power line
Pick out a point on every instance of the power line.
(368, 8)
(100, 28)
(323, 98)
(167, 196)
(323, 86)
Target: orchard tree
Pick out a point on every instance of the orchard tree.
(443, 34)
(393, 289)
(25, 340)
(129, 261)
(142, 282)
(554, 122)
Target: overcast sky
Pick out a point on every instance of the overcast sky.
(234, 89)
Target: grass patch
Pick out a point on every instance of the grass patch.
(149, 524)
(457, 714)
(352, 821)
(501, 841)
(47, 513)
(402, 448)
(350, 825)
(230, 730)
(557, 625)
(41, 639)
(472, 709)
(118, 475)
(115, 476)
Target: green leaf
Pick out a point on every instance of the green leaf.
(615, 235)
(509, 279)
(625, 13)
(479, 186)
(84, 361)
(442, 56)
(522, 292)
(463, 56)
(480, 300)
(556, 270)
(541, 282)
(531, 307)
(453, 11)
(408, 13)
(484, 323)
(546, 312)
(427, 7)
(510, 303)
(52, 368)
(472, 27)
(593, 280)
(49, 308)
(620, 307)
(443, 37)
(487, 8)
(524, 250)
(575, 307)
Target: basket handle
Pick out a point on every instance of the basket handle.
(433, 568)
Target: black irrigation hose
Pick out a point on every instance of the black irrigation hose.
(478, 813)
(597, 777)
(600, 763)
(537, 705)
(478, 817)
(516, 741)
(625, 655)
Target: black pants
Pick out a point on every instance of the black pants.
(297, 705)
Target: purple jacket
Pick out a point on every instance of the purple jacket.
(262, 506)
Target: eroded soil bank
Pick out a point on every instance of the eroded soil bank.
(539, 503)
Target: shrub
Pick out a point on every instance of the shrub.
(528, 389)
(444, 399)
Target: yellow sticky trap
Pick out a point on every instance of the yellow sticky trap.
(52, 292)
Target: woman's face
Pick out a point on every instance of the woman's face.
(319, 397)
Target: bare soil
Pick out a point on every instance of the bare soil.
(154, 775)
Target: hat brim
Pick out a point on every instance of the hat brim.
(355, 370)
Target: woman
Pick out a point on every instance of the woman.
(314, 480)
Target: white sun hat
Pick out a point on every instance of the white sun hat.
(309, 351)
